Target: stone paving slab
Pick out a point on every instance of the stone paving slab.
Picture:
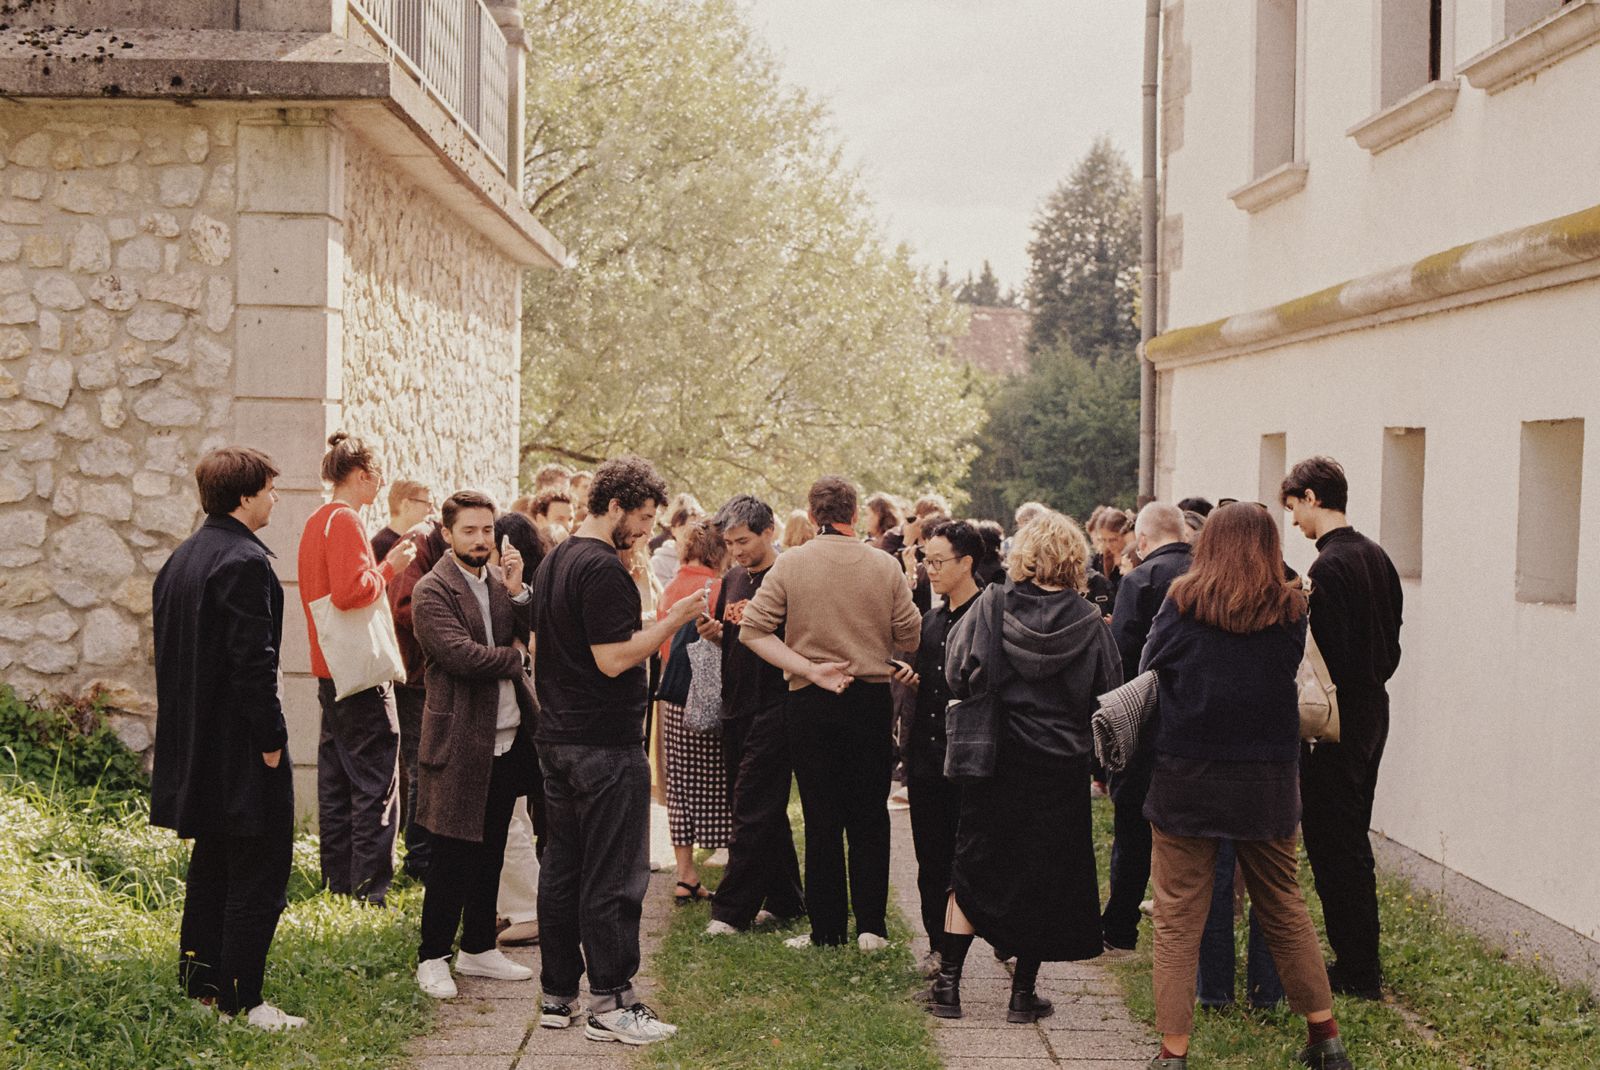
(494, 1025)
(1090, 1030)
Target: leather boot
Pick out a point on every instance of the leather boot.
(944, 995)
(1028, 1007)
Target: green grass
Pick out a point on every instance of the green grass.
(1469, 1005)
(90, 899)
(747, 1001)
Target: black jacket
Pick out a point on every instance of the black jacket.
(1140, 597)
(1355, 611)
(925, 740)
(218, 613)
(1057, 658)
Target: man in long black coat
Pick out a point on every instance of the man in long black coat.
(222, 771)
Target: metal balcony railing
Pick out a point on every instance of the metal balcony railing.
(457, 52)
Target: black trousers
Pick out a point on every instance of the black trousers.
(356, 791)
(464, 876)
(1337, 784)
(595, 870)
(843, 751)
(232, 900)
(409, 703)
(763, 870)
(935, 813)
(1130, 852)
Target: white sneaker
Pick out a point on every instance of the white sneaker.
(635, 1026)
(491, 963)
(720, 928)
(871, 942)
(266, 1017)
(803, 940)
(433, 977)
(554, 1014)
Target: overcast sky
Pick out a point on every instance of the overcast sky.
(964, 114)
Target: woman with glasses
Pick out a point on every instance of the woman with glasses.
(1024, 873)
(953, 551)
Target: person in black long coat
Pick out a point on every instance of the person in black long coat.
(222, 772)
(1024, 874)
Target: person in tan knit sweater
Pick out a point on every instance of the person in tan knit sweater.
(830, 615)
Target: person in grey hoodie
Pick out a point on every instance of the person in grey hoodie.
(1024, 877)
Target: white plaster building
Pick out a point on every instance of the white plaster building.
(1380, 240)
(241, 221)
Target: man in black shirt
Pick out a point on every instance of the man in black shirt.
(763, 872)
(1159, 535)
(1355, 618)
(589, 672)
(954, 548)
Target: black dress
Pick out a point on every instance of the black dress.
(1024, 871)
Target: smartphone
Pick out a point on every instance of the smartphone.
(898, 666)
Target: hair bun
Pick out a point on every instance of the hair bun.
(337, 437)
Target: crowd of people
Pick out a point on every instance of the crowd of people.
(507, 689)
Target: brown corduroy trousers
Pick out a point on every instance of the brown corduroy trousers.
(1182, 869)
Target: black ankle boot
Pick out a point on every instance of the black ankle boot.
(944, 995)
(1028, 1006)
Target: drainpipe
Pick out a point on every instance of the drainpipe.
(1148, 269)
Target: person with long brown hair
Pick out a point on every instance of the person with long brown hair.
(1226, 644)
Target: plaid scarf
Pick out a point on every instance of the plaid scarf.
(1120, 721)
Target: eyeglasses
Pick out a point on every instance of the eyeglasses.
(934, 564)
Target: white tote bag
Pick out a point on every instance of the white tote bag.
(358, 644)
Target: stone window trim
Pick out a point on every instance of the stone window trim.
(1408, 116)
(1278, 184)
(1572, 28)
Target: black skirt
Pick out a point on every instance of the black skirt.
(1024, 870)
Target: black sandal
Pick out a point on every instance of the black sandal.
(696, 894)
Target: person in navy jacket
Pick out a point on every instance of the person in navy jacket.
(222, 773)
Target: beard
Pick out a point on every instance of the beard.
(621, 537)
(471, 560)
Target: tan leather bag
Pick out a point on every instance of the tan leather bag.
(1319, 698)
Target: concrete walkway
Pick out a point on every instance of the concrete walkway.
(1090, 1030)
(494, 1025)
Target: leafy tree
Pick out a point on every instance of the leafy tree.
(1084, 275)
(1066, 434)
(732, 311)
(985, 291)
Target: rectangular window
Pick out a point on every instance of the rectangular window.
(1274, 466)
(1410, 47)
(1518, 15)
(1400, 518)
(1549, 497)
(1277, 63)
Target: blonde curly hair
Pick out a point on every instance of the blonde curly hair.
(1052, 552)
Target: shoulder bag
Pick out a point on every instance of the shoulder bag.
(359, 645)
(702, 709)
(973, 725)
(1319, 698)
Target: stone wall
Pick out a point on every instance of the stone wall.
(116, 369)
(431, 336)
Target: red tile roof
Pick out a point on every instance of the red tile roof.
(996, 340)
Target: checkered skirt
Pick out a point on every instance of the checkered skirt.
(697, 785)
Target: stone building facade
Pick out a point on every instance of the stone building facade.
(272, 232)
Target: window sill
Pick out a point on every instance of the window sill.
(1276, 185)
(1576, 26)
(1407, 116)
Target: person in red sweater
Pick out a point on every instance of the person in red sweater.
(357, 745)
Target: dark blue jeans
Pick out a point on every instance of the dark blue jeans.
(409, 703)
(1130, 852)
(1217, 959)
(595, 870)
(357, 791)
